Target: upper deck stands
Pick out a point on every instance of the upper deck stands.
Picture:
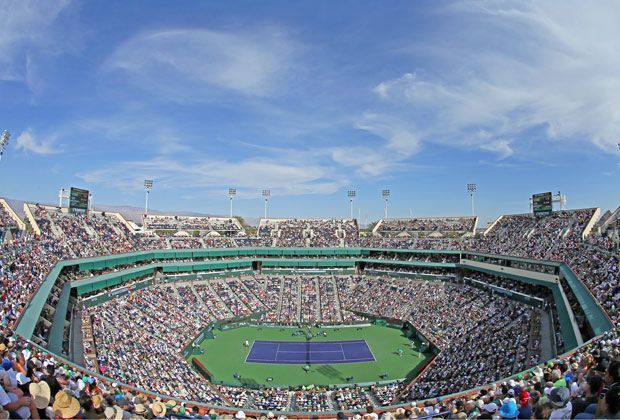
(427, 226)
(310, 232)
(171, 225)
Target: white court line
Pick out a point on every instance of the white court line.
(292, 362)
(277, 351)
(369, 349)
(250, 351)
(309, 351)
(344, 357)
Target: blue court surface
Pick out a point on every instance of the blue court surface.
(306, 353)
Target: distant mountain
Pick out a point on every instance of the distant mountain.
(129, 212)
(135, 213)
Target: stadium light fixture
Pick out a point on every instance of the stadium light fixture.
(231, 193)
(471, 189)
(266, 195)
(63, 194)
(4, 141)
(386, 196)
(148, 186)
(351, 194)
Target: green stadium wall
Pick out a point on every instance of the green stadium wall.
(209, 262)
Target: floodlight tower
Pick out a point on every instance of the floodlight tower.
(4, 141)
(148, 186)
(231, 193)
(561, 199)
(471, 189)
(386, 196)
(351, 195)
(266, 195)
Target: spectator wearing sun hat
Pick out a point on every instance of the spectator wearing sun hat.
(66, 406)
(40, 393)
(509, 410)
(158, 409)
(140, 411)
(113, 413)
(90, 409)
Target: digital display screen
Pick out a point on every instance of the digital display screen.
(78, 200)
(542, 203)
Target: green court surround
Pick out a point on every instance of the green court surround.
(224, 356)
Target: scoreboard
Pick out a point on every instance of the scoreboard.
(78, 200)
(542, 203)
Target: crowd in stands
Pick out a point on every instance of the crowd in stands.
(443, 226)
(559, 238)
(458, 319)
(260, 241)
(171, 225)
(583, 385)
(310, 232)
(6, 222)
(427, 258)
(230, 299)
(23, 266)
(25, 261)
(311, 299)
(131, 340)
(134, 345)
(311, 400)
(217, 306)
(352, 399)
(290, 308)
(533, 290)
(186, 243)
(272, 399)
(556, 237)
(88, 235)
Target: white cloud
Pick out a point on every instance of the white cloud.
(249, 176)
(399, 141)
(401, 138)
(501, 147)
(366, 161)
(194, 65)
(512, 67)
(30, 143)
(26, 33)
(164, 138)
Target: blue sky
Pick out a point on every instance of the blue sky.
(311, 99)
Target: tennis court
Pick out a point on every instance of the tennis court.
(308, 353)
(264, 364)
